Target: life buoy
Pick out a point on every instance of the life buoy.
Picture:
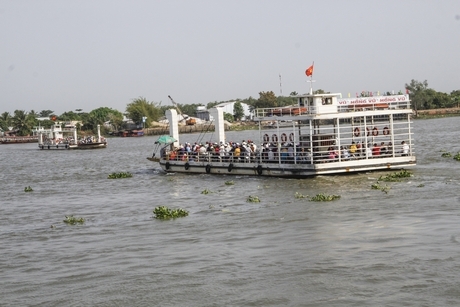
(274, 138)
(375, 131)
(266, 138)
(368, 131)
(208, 168)
(167, 165)
(259, 169)
(230, 167)
(283, 137)
(357, 132)
(386, 131)
(291, 137)
(187, 166)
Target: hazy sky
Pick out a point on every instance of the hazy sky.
(64, 55)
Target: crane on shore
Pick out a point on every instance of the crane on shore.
(188, 120)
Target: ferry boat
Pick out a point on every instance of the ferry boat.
(58, 137)
(18, 139)
(326, 134)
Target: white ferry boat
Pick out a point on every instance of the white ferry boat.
(58, 137)
(327, 134)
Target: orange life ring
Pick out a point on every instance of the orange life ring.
(375, 131)
(283, 137)
(368, 131)
(274, 138)
(266, 138)
(291, 137)
(357, 132)
(386, 131)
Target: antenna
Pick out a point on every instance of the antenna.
(281, 88)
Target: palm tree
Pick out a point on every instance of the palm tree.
(5, 121)
(22, 122)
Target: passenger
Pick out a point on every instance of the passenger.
(237, 153)
(359, 149)
(367, 150)
(383, 149)
(405, 149)
(390, 149)
(353, 149)
(344, 153)
(376, 150)
(332, 154)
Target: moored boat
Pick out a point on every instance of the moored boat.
(58, 137)
(18, 139)
(326, 134)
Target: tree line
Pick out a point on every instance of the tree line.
(422, 98)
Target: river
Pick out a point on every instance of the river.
(368, 248)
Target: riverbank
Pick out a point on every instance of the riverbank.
(435, 113)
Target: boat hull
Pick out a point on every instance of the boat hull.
(73, 146)
(286, 170)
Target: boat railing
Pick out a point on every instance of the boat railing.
(283, 155)
(348, 105)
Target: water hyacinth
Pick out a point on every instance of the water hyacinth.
(323, 197)
(253, 199)
(163, 212)
(71, 220)
(28, 189)
(120, 175)
(299, 195)
(205, 191)
(230, 182)
(396, 176)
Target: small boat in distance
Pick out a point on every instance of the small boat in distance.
(58, 137)
(323, 134)
(18, 139)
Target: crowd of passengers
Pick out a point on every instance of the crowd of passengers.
(272, 153)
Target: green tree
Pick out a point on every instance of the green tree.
(418, 93)
(266, 100)
(238, 111)
(140, 107)
(45, 113)
(5, 121)
(228, 117)
(22, 122)
(455, 99)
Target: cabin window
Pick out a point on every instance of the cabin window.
(301, 102)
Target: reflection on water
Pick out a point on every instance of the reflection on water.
(367, 248)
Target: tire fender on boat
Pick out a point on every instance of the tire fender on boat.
(386, 131)
(208, 168)
(357, 132)
(48, 146)
(375, 131)
(283, 137)
(230, 167)
(187, 166)
(275, 138)
(291, 137)
(259, 169)
(266, 138)
(167, 165)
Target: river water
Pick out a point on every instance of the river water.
(369, 248)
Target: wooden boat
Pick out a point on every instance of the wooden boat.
(330, 135)
(18, 139)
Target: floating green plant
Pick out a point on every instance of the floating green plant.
(253, 199)
(420, 185)
(299, 195)
(119, 175)
(205, 191)
(28, 189)
(230, 182)
(71, 220)
(396, 176)
(383, 188)
(446, 155)
(457, 156)
(323, 197)
(163, 212)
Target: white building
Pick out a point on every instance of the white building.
(227, 107)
